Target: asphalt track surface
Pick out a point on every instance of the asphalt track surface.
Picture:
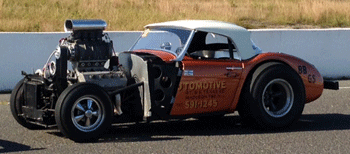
(323, 128)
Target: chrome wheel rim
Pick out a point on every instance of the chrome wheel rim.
(87, 114)
(277, 98)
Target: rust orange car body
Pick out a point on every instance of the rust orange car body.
(209, 74)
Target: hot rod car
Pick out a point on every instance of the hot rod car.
(177, 69)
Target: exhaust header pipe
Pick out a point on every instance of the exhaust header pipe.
(72, 25)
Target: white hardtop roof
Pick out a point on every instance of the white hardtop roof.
(239, 35)
(197, 24)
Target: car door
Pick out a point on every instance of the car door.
(212, 70)
(207, 86)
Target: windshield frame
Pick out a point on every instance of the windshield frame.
(180, 54)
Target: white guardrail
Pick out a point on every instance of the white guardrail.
(327, 49)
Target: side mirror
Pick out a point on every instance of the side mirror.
(166, 46)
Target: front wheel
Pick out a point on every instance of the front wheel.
(16, 104)
(277, 97)
(83, 112)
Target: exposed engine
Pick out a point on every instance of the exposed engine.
(136, 85)
(90, 53)
(87, 55)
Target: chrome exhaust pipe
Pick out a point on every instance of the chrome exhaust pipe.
(72, 25)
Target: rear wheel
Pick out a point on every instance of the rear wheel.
(83, 112)
(276, 98)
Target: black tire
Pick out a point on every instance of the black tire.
(243, 106)
(16, 103)
(83, 112)
(276, 98)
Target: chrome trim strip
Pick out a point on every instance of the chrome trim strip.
(234, 68)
